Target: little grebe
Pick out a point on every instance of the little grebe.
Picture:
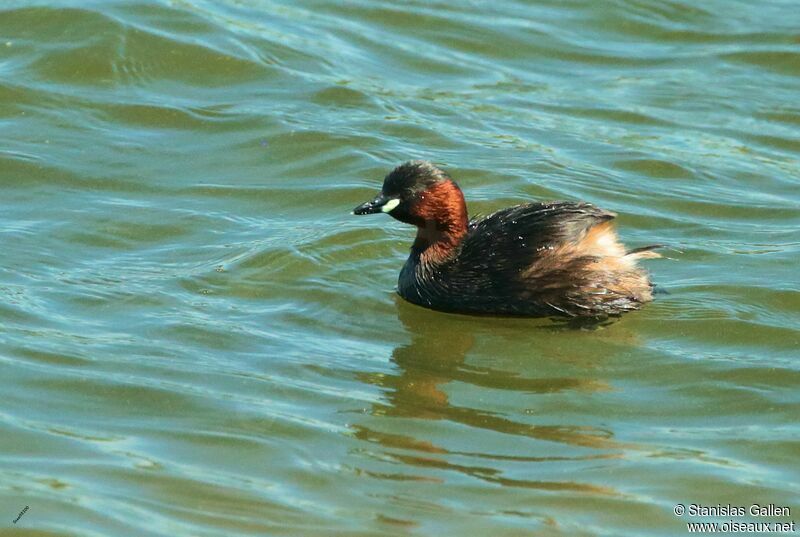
(537, 259)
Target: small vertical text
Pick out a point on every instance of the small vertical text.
(20, 514)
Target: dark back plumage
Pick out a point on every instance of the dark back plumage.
(518, 261)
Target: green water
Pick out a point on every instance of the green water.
(196, 338)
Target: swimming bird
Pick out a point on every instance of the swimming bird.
(557, 258)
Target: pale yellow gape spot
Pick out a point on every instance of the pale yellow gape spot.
(390, 205)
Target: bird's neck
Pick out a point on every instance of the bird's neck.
(444, 222)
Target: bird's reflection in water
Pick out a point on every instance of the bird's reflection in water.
(434, 359)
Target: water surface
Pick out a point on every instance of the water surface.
(196, 338)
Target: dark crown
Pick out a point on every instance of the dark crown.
(411, 177)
